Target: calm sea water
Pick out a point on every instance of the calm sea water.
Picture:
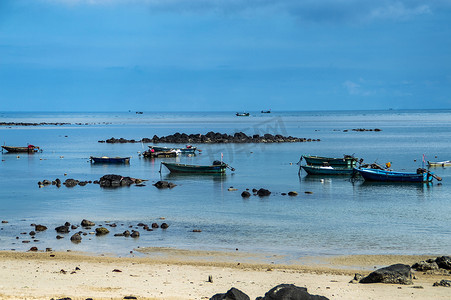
(339, 217)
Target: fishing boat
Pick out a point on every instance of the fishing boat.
(110, 160)
(187, 150)
(421, 175)
(266, 111)
(244, 114)
(348, 161)
(446, 163)
(160, 154)
(28, 149)
(216, 167)
(327, 170)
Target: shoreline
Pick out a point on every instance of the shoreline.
(176, 274)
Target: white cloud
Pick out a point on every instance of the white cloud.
(332, 11)
(356, 89)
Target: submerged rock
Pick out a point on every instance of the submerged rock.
(263, 192)
(245, 194)
(76, 238)
(102, 231)
(70, 182)
(164, 184)
(62, 229)
(87, 223)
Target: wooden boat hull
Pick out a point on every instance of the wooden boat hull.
(316, 170)
(391, 176)
(345, 162)
(110, 160)
(191, 150)
(162, 154)
(195, 169)
(439, 163)
(21, 149)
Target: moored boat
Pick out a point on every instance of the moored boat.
(421, 175)
(28, 149)
(216, 167)
(266, 111)
(348, 161)
(187, 150)
(327, 170)
(243, 114)
(160, 154)
(446, 163)
(110, 160)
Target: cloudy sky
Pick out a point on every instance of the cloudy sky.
(234, 55)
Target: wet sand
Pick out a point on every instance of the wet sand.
(162, 273)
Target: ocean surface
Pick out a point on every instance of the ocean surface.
(338, 217)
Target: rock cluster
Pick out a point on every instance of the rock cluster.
(29, 124)
(363, 129)
(280, 292)
(440, 264)
(110, 180)
(99, 231)
(214, 137)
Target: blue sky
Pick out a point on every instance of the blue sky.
(235, 55)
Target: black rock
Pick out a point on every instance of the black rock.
(164, 226)
(444, 262)
(232, 294)
(87, 223)
(76, 238)
(395, 274)
(164, 184)
(40, 227)
(155, 225)
(62, 229)
(70, 182)
(111, 177)
(290, 292)
(135, 234)
(263, 192)
(245, 194)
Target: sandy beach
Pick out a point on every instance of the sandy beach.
(176, 274)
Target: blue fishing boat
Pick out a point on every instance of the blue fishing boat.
(110, 160)
(327, 170)
(187, 150)
(347, 161)
(421, 175)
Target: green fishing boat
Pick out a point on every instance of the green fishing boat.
(216, 167)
